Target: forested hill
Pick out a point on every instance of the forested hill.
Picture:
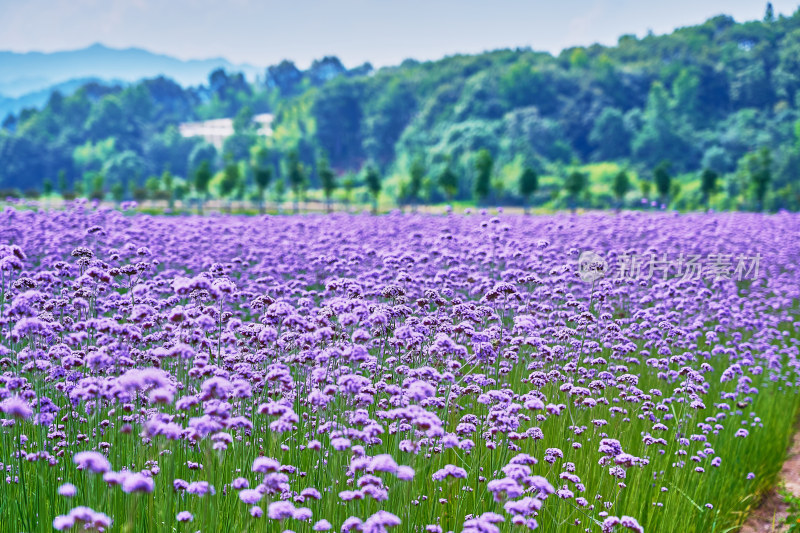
(704, 97)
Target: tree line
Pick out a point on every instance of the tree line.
(706, 116)
(256, 181)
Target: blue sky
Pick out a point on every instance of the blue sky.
(384, 32)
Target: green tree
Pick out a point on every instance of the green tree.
(62, 181)
(645, 187)
(685, 92)
(297, 176)
(718, 159)
(262, 175)
(428, 188)
(661, 136)
(348, 184)
(127, 167)
(372, 179)
(47, 187)
(98, 182)
(579, 58)
(118, 192)
(621, 186)
(523, 85)
(230, 181)
(759, 167)
(338, 115)
(243, 122)
(574, 185)
(327, 179)
(168, 181)
(181, 190)
(483, 181)
(609, 136)
(170, 150)
(448, 182)
(498, 188)
(153, 186)
(202, 178)
(528, 184)
(797, 135)
(279, 190)
(675, 191)
(708, 184)
(239, 145)
(663, 180)
(108, 118)
(241, 184)
(203, 151)
(416, 175)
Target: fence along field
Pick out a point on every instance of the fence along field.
(414, 373)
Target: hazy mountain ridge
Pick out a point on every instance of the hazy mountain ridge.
(38, 99)
(25, 73)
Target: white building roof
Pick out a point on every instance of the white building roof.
(215, 131)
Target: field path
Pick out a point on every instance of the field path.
(769, 516)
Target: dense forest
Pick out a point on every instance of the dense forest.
(708, 115)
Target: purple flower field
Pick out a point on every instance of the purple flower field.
(395, 373)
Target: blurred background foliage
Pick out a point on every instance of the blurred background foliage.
(706, 116)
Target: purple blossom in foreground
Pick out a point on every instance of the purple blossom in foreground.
(68, 490)
(92, 461)
(83, 517)
(16, 407)
(380, 522)
(250, 496)
(449, 471)
(280, 510)
(322, 525)
(137, 482)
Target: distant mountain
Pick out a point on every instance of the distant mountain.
(25, 73)
(38, 99)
